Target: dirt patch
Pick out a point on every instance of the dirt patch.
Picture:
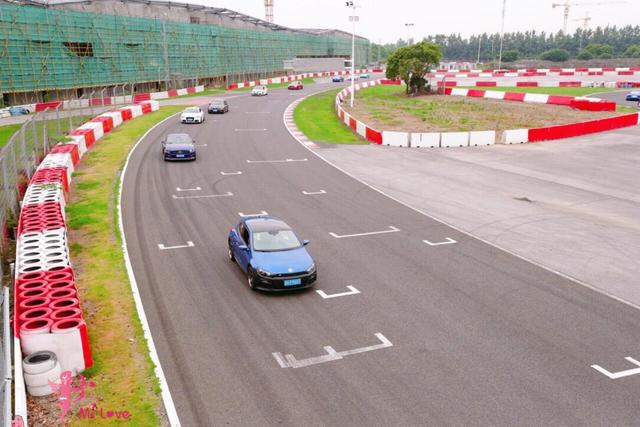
(441, 113)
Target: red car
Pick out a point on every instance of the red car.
(297, 85)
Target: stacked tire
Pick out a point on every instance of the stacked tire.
(48, 316)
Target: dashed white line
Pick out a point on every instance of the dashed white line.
(447, 241)
(258, 214)
(257, 112)
(311, 193)
(392, 229)
(164, 248)
(207, 196)
(188, 189)
(277, 161)
(231, 173)
(250, 130)
(620, 374)
(352, 291)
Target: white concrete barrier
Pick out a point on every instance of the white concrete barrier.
(494, 94)
(395, 139)
(97, 127)
(537, 98)
(80, 142)
(459, 92)
(454, 139)
(515, 136)
(425, 140)
(159, 95)
(486, 137)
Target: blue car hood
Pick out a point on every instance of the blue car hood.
(282, 262)
(179, 147)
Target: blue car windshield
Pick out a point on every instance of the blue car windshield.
(275, 240)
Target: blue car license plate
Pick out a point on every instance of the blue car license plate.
(292, 282)
(179, 155)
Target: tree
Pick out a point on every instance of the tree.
(585, 55)
(600, 50)
(411, 63)
(633, 51)
(511, 55)
(555, 55)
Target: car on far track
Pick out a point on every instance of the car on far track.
(296, 85)
(178, 146)
(337, 79)
(364, 76)
(352, 78)
(260, 90)
(218, 106)
(18, 111)
(633, 96)
(192, 115)
(271, 255)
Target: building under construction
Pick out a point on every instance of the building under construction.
(64, 48)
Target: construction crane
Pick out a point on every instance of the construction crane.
(268, 10)
(567, 7)
(585, 21)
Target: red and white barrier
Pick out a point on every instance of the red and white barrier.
(283, 79)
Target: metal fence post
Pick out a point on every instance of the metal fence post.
(25, 158)
(90, 101)
(58, 118)
(45, 140)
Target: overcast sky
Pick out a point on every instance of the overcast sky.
(384, 20)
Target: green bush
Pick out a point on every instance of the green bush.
(555, 55)
(511, 55)
(633, 51)
(585, 55)
(604, 51)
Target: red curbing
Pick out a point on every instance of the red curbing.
(583, 128)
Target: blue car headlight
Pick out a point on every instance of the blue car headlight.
(264, 273)
(311, 268)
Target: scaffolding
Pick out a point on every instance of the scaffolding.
(46, 49)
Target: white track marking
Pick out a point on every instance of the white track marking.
(620, 374)
(442, 221)
(167, 400)
(447, 241)
(392, 229)
(208, 196)
(201, 145)
(251, 130)
(231, 173)
(188, 189)
(165, 248)
(352, 291)
(258, 214)
(289, 361)
(257, 112)
(277, 161)
(310, 193)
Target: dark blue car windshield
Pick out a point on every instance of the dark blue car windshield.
(276, 240)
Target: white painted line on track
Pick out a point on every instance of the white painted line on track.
(311, 193)
(231, 173)
(352, 291)
(392, 229)
(200, 145)
(277, 161)
(289, 361)
(257, 112)
(447, 241)
(620, 374)
(289, 110)
(208, 196)
(188, 189)
(165, 248)
(251, 130)
(258, 214)
(167, 400)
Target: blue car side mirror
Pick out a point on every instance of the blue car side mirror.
(243, 247)
(305, 242)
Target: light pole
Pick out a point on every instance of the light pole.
(479, 44)
(504, 5)
(409, 25)
(353, 18)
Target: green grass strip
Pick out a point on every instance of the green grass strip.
(316, 118)
(6, 132)
(123, 372)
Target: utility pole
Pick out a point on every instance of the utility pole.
(353, 18)
(166, 53)
(504, 6)
(479, 44)
(409, 39)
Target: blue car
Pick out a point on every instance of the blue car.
(271, 254)
(178, 146)
(633, 96)
(337, 79)
(18, 111)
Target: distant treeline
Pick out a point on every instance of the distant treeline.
(623, 42)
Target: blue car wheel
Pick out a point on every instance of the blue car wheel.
(251, 278)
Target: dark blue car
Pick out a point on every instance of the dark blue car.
(337, 79)
(633, 96)
(271, 254)
(178, 146)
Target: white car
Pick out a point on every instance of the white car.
(192, 115)
(259, 91)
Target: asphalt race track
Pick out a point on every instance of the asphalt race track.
(466, 334)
